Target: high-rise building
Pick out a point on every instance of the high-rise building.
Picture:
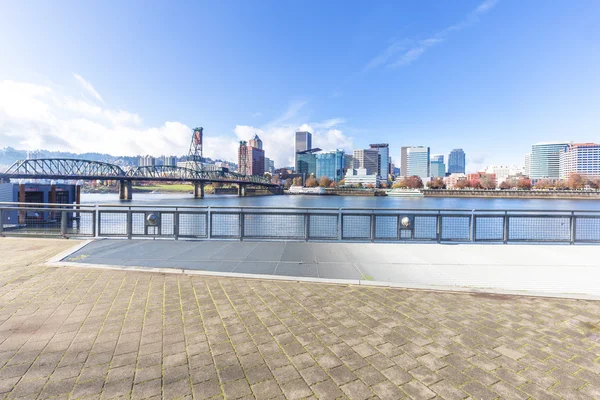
(269, 165)
(404, 160)
(330, 164)
(384, 160)
(418, 161)
(545, 160)
(303, 142)
(580, 158)
(256, 142)
(251, 160)
(367, 159)
(306, 162)
(527, 165)
(146, 161)
(348, 162)
(437, 167)
(457, 162)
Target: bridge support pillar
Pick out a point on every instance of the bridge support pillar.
(125, 190)
(198, 190)
(241, 190)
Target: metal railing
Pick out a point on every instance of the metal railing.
(305, 224)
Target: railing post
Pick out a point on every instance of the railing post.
(129, 224)
(241, 225)
(506, 227)
(64, 214)
(176, 224)
(208, 223)
(1, 223)
(573, 227)
(473, 226)
(372, 227)
(96, 221)
(340, 225)
(306, 226)
(438, 227)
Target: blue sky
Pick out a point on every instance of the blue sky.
(133, 77)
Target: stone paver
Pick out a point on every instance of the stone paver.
(91, 333)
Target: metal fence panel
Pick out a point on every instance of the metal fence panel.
(323, 226)
(193, 225)
(112, 223)
(425, 227)
(225, 225)
(356, 226)
(386, 227)
(83, 223)
(543, 228)
(489, 228)
(587, 229)
(274, 225)
(456, 228)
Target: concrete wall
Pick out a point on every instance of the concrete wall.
(524, 194)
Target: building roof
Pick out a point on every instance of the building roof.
(255, 137)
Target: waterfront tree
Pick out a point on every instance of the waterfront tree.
(297, 181)
(436, 183)
(462, 184)
(544, 184)
(488, 181)
(576, 181)
(312, 182)
(415, 182)
(324, 181)
(288, 183)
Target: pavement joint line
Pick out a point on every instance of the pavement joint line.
(361, 282)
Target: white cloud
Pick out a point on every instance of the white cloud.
(88, 87)
(405, 52)
(39, 117)
(36, 117)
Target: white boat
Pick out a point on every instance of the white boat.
(305, 190)
(404, 193)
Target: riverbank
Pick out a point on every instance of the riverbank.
(515, 194)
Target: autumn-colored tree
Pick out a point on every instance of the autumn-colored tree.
(544, 184)
(370, 186)
(505, 185)
(561, 185)
(297, 181)
(488, 181)
(276, 180)
(324, 181)
(415, 182)
(524, 184)
(475, 183)
(311, 182)
(462, 184)
(288, 183)
(436, 183)
(217, 185)
(384, 185)
(397, 185)
(594, 183)
(576, 181)
(342, 182)
(333, 184)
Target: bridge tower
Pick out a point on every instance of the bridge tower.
(195, 153)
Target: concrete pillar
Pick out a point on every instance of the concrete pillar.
(198, 190)
(78, 195)
(241, 190)
(52, 194)
(125, 189)
(21, 200)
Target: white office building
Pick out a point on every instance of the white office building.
(502, 172)
(580, 158)
(359, 175)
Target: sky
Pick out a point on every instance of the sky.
(135, 77)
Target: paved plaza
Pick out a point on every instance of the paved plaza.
(74, 332)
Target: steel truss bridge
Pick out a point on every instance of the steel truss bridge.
(75, 169)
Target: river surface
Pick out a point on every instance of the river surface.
(185, 199)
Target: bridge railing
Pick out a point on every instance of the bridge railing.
(305, 224)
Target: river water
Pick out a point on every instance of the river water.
(185, 199)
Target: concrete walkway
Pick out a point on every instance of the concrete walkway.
(81, 333)
(557, 270)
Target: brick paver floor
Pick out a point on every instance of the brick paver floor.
(91, 333)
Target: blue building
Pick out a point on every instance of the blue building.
(437, 168)
(418, 162)
(457, 162)
(331, 165)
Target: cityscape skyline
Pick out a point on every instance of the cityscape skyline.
(441, 75)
